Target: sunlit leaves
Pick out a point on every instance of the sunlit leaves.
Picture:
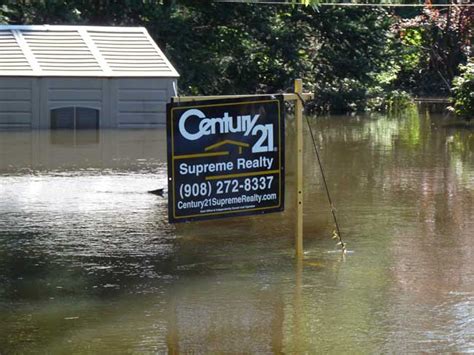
(463, 89)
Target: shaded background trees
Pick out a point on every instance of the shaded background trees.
(352, 57)
(432, 45)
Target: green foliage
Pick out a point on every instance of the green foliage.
(412, 53)
(4, 11)
(351, 49)
(398, 101)
(306, 2)
(463, 89)
(40, 11)
(352, 58)
(242, 48)
(393, 102)
(429, 47)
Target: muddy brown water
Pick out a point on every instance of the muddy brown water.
(89, 264)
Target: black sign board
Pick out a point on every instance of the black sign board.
(225, 157)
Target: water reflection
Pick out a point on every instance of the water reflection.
(88, 262)
(68, 150)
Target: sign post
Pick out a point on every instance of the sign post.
(299, 170)
(226, 156)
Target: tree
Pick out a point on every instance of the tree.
(432, 45)
(347, 55)
(463, 88)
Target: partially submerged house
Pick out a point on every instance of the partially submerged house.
(55, 77)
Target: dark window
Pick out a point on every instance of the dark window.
(74, 118)
(62, 118)
(87, 118)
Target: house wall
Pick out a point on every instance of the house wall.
(141, 102)
(18, 102)
(122, 102)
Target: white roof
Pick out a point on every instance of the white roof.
(81, 51)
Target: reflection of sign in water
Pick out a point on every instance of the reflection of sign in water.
(225, 158)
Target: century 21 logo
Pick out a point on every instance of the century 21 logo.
(245, 124)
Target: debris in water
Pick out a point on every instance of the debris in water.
(111, 286)
(157, 192)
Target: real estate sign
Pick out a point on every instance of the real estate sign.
(225, 157)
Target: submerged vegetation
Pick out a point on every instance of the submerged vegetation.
(354, 58)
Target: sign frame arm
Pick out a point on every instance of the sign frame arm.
(286, 97)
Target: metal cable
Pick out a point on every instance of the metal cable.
(321, 168)
(350, 4)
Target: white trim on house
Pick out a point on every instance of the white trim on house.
(26, 51)
(95, 52)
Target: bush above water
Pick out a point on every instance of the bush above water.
(463, 89)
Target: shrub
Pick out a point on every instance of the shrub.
(463, 89)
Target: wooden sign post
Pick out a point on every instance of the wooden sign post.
(299, 170)
(299, 97)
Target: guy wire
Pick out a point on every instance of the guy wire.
(321, 168)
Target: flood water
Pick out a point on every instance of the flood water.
(89, 264)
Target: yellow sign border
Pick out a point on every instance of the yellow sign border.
(173, 158)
